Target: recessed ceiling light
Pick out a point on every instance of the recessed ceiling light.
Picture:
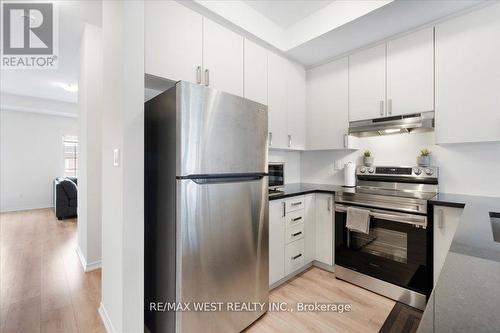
(67, 86)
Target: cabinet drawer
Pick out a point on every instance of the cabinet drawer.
(295, 203)
(294, 218)
(294, 256)
(294, 233)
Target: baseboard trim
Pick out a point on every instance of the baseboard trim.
(314, 263)
(87, 266)
(289, 276)
(324, 266)
(21, 208)
(108, 325)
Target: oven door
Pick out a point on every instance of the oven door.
(395, 249)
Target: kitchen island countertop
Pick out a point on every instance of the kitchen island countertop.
(466, 297)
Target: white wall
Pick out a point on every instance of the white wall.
(292, 164)
(38, 105)
(123, 186)
(31, 156)
(90, 123)
(463, 168)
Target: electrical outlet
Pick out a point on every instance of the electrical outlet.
(338, 165)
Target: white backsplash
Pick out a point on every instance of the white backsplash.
(292, 164)
(472, 168)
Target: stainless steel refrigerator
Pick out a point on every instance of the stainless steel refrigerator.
(206, 208)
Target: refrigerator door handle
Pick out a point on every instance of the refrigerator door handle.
(218, 179)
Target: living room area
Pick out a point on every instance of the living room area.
(50, 224)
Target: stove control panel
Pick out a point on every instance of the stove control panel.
(417, 171)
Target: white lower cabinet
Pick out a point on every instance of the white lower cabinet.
(324, 228)
(276, 240)
(294, 256)
(446, 220)
(300, 232)
(310, 228)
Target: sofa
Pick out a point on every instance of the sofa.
(65, 197)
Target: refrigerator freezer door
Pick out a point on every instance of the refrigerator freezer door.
(219, 133)
(222, 251)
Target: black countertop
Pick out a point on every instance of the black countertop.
(466, 297)
(290, 190)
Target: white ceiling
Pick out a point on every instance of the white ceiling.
(395, 18)
(315, 32)
(43, 82)
(287, 13)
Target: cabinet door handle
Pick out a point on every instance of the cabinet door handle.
(389, 106)
(284, 209)
(270, 139)
(346, 143)
(441, 219)
(289, 140)
(296, 203)
(297, 233)
(198, 75)
(297, 219)
(381, 108)
(207, 77)
(329, 204)
(297, 256)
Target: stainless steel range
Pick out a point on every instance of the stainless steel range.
(395, 257)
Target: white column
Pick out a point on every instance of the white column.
(89, 123)
(123, 184)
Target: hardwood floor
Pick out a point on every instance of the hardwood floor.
(43, 287)
(368, 313)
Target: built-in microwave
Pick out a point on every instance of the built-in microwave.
(276, 175)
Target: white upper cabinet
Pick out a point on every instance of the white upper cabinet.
(296, 106)
(255, 74)
(173, 41)
(367, 84)
(222, 58)
(287, 103)
(327, 105)
(410, 73)
(277, 101)
(468, 77)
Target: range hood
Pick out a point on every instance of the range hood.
(409, 123)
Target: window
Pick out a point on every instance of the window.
(70, 151)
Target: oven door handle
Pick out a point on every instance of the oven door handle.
(415, 220)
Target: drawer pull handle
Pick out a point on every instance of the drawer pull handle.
(297, 233)
(297, 256)
(296, 203)
(297, 218)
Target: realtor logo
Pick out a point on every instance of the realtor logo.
(29, 34)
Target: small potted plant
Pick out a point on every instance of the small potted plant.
(425, 157)
(368, 158)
